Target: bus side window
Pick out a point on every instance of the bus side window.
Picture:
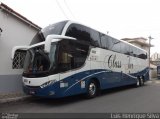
(64, 57)
(79, 32)
(80, 55)
(72, 55)
(104, 40)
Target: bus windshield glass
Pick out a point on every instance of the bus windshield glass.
(37, 61)
(51, 29)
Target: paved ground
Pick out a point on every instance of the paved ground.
(126, 99)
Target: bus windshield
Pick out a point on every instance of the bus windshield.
(51, 29)
(37, 61)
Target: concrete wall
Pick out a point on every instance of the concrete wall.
(10, 84)
(15, 32)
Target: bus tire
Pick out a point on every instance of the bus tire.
(92, 89)
(142, 81)
(138, 83)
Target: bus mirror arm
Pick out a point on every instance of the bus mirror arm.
(54, 38)
(15, 48)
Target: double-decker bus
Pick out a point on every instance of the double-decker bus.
(68, 58)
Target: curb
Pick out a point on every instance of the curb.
(15, 99)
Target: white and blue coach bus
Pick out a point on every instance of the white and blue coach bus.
(68, 58)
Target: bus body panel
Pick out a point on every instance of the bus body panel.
(68, 86)
(108, 74)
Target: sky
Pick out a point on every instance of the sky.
(118, 18)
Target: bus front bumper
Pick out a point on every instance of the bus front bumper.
(49, 92)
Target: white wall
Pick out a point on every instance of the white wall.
(15, 32)
(155, 56)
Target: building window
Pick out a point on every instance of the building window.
(18, 60)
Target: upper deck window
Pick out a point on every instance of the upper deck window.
(51, 29)
(84, 33)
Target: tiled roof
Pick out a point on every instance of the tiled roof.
(19, 16)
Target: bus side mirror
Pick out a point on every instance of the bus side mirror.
(48, 41)
(54, 38)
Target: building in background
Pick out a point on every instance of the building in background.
(155, 56)
(15, 30)
(139, 42)
(155, 59)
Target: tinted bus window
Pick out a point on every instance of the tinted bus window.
(106, 41)
(84, 33)
(116, 45)
(71, 55)
(101, 40)
(79, 32)
(95, 38)
(52, 29)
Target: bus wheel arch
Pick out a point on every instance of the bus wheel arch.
(98, 83)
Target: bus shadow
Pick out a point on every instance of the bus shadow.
(116, 90)
(76, 98)
(58, 101)
(120, 89)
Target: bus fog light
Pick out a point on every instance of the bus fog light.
(32, 92)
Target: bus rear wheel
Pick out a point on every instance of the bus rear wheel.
(92, 89)
(140, 81)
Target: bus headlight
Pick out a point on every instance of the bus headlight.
(48, 83)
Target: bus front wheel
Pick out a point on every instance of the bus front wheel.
(138, 84)
(92, 89)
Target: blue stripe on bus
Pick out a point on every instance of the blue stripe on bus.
(107, 79)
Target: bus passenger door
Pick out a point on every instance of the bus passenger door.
(65, 63)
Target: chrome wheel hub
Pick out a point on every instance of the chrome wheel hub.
(92, 89)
